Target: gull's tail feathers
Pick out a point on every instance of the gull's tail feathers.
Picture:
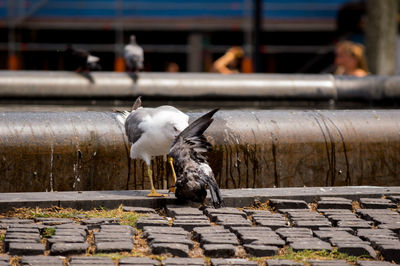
(137, 104)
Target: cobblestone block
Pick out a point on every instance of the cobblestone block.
(151, 221)
(189, 225)
(365, 233)
(355, 249)
(7, 242)
(174, 211)
(72, 226)
(15, 221)
(219, 240)
(377, 203)
(215, 230)
(328, 263)
(70, 232)
(23, 230)
(28, 225)
(68, 248)
(118, 229)
(104, 236)
(15, 235)
(135, 261)
(314, 225)
(95, 223)
(138, 209)
(237, 230)
(64, 239)
(390, 252)
(373, 263)
(327, 212)
(261, 250)
(179, 250)
(183, 261)
(334, 203)
(4, 260)
(246, 237)
(228, 224)
(395, 199)
(41, 260)
(219, 250)
(238, 262)
(283, 263)
(81, 261)
(18, 249)
(293, 232)
(53, 221)
(393, 227)
(288, 204)
(355, 224)
(171, 239)
(152, 236)
(273, 224)
(226, 211)
(106, 247)
(311, 245)
(326, 235)
(337, 229)
(163, 230)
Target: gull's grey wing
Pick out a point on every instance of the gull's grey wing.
(132, 129)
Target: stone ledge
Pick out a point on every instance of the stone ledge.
(233, 197)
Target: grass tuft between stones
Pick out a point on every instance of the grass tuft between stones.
(305, 255)
(126, 218)
(48, 232)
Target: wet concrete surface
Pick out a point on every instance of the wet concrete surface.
(184, 235)
(71, 151)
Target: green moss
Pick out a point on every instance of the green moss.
(48, 232)
(305, 255)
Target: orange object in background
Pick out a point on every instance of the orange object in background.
(119, 64)
(13, 62)
(247, 65)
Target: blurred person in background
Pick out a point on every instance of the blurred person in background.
(171, 67)
(230, 62)
(350, 59)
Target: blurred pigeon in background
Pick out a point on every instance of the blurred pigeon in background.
(133, 55)
(80, 60)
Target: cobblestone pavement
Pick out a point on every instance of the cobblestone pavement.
(229, 236)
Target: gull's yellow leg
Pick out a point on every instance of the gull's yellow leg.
(153, 192)
(171, 163)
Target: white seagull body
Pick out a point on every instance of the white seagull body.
(159, 127)
(151, 132)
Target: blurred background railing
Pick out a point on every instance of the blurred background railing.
(191, 33)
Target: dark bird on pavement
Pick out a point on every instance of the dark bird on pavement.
(80, 60)
(133, 55)
(193, 173)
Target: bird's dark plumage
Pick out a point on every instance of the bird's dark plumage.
(80, 60)
(193, 173)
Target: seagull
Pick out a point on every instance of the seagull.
(151, 132)
(80, 60)
(133, 55)
(193, 173)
